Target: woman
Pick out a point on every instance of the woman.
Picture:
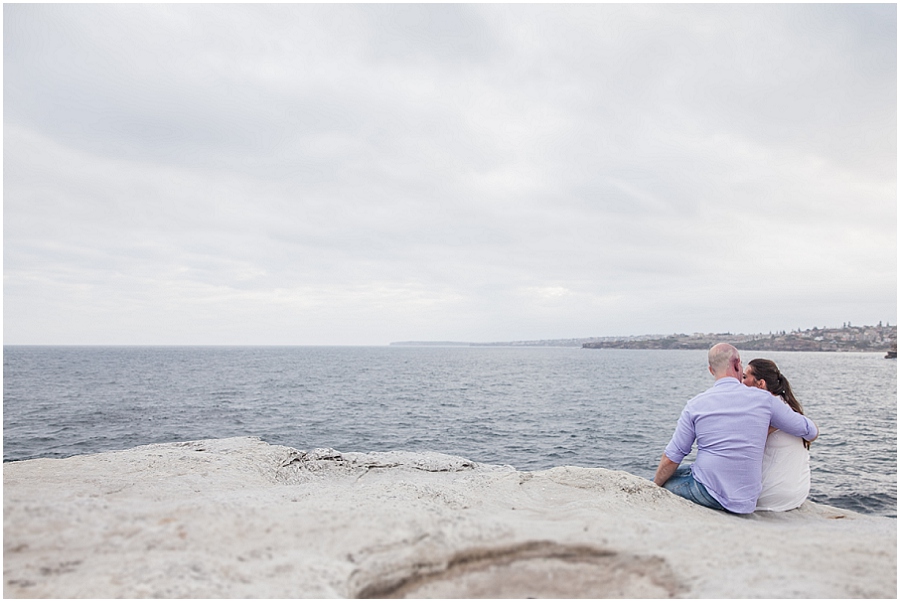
(785, 469)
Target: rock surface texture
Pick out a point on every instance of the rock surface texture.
(239, 518)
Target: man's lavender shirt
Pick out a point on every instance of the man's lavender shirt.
(730, 423)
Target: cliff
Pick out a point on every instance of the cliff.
(235, 518)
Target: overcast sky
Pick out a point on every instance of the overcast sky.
(361, 174)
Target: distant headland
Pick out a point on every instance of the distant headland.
(879, 338)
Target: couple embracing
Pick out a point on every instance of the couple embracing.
(751, 439)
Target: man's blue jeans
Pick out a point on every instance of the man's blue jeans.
(682, 483)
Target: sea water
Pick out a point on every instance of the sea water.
(529, 407)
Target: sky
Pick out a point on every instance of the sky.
(223, 174)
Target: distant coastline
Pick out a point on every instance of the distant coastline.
(879, 338)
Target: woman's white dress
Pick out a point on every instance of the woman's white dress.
(785, 473)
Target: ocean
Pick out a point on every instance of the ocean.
(529, 407)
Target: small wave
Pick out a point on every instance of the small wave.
(882, 504)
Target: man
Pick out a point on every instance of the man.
(730, 423)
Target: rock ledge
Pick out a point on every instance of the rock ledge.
(239, 518)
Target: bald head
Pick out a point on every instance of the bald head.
(725, 360)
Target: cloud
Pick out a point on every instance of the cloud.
(359, 174)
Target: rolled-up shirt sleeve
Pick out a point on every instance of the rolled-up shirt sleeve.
(683, 439)
(789, 421)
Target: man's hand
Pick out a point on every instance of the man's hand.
(817, 433)
(665, 470)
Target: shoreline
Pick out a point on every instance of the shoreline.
(226, 518)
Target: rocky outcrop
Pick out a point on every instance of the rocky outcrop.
(241, 518)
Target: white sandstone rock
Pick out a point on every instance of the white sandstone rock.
(238, 518)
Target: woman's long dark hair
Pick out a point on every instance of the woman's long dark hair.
(776, 383)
